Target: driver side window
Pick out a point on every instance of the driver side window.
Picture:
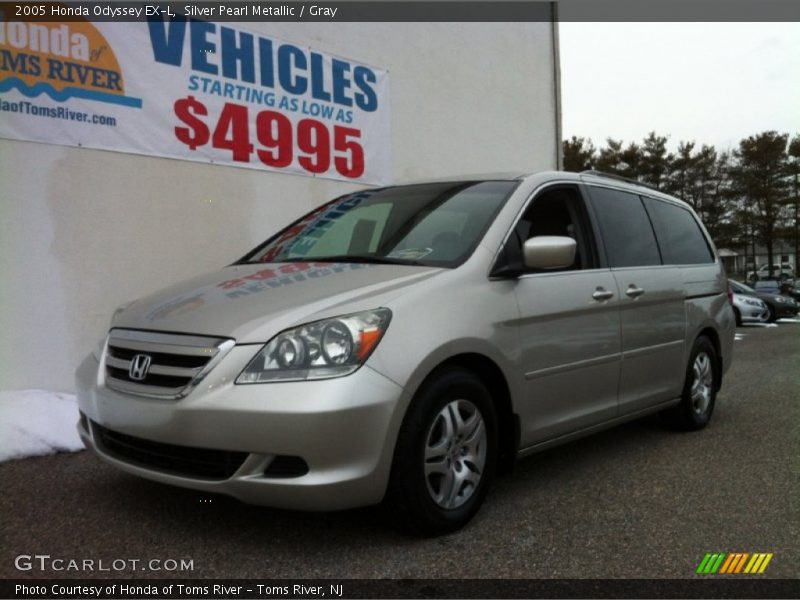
(558, 212)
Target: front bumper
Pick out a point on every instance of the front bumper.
(754, 314)
(343, 428)
(785, 311)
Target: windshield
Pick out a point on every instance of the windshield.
(436, 224)
(741, 288)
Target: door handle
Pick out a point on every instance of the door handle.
(633, 291)
(602, 294)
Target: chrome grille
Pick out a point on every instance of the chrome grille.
(176, 362)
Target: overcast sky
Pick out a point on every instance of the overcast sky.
(714, 83)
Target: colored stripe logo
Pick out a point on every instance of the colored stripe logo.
(735, 562)
(10, 83)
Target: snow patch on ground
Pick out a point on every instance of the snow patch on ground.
(37, 422)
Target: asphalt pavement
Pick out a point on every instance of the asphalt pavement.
(638, 501)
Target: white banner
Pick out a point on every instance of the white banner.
(195, 90)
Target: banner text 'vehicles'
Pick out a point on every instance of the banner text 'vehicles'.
(238, 55)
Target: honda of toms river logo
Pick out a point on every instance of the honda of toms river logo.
(719, 563)
(61, 60)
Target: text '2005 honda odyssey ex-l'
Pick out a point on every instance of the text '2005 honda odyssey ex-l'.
(406, 342)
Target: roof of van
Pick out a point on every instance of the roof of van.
(594, 176)
(499, 176)
(514, 175)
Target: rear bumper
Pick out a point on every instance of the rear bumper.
(344, 429)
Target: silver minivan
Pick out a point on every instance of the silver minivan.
(405, 343)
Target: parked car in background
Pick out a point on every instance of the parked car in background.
(779, 271)
(773, 286)
(779, 306)
(789, 288)
(749, 309)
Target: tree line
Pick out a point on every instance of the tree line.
(746, 197)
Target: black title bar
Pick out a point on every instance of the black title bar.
(417, 11)
(213, 589)
(290, 11)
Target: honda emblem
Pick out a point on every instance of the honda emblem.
(139, 367)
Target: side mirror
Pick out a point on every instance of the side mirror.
(549, 252)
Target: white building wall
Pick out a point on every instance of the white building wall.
(82, 231)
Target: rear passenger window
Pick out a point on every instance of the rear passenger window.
(681, 240)
(627, 232)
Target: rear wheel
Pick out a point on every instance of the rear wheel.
(446, 453)
(699, 388)
(738, 316)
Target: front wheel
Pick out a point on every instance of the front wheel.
(773, 315)
(699, 388)
(446, 453)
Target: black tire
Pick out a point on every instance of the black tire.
(738, 316)
(773, 315)
(411, 491)
(696, 407)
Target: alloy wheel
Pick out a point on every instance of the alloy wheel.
(455, 454)
(703, 382)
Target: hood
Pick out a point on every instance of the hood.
(745, 297)
(251, 303)
(772, 297)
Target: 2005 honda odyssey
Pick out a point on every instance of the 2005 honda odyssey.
(405, 342)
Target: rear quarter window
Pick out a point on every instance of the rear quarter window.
(680, 238)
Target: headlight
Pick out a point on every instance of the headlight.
(780, 299)
(319, 350)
